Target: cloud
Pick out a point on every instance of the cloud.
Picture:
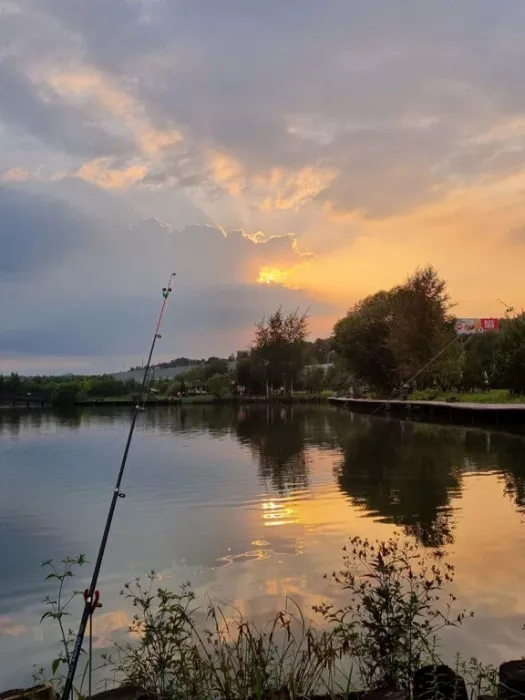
(291, 191)
(10, 628)
(36, 232)
(15, 175)
(28, 109)
(327, 151)
(85, 286)
(100, 172)
(89, 89)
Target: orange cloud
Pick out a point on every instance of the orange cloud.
(464, 233)
(15, 175)
(288, 190)
(277, 189)
(97, 93)
(228, 173)
(99, 172)
(10, 628)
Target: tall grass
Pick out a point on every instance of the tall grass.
(395, 605)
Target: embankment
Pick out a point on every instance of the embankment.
(461, 413)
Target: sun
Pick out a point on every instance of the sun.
(272, 275)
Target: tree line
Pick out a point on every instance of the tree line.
(405, 338)
(390, 342)
(393, 341)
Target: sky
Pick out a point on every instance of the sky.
(299, 153)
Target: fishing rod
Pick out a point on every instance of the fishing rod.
(407, 383)
(91, 597)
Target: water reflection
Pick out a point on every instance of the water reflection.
(253, 504)
(404, 473)
(276, 436)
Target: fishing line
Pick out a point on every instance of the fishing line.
(91, 595)
(420, 371)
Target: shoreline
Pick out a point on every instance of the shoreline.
(186, 401)
(458, 412)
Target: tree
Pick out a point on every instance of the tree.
(66, 394)
(337, 377)
(389, 337)
(249, 373)
(361, 339)
(218, 385)
(319, 352)
(511, 355)
(422, 327)
(481, 355)
(214, 365)
(314, 379)
(13, 383)
(279, 347)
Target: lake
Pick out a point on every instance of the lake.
(252, 505)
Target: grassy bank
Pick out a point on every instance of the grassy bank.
(490, 396)
(205, 399)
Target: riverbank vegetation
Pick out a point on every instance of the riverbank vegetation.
(391, 343)
(404, 339)
(392, 603)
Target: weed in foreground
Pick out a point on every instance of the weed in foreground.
(397, 607)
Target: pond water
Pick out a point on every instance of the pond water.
(252, 505)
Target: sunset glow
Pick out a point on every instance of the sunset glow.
(306, 183)
(272, 275)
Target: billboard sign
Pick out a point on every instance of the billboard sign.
(469, 326)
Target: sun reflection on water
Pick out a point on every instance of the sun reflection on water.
(279, 511)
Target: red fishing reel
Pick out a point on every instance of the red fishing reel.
(95, 603)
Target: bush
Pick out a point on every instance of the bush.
(390, 624)
(65, 395)
(425, 395)
(218, 385)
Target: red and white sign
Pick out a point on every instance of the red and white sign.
(468, 326)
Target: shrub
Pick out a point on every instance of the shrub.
(218, 385)
(65, 395)
(57, 609)
(390, 624)
(229, 658)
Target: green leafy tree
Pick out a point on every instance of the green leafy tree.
(66, 394)
(214, 365)
(361, 339)
(250, 373)
(314, 379)
(422, 327)
(511, 356)
(14, 383)
(319, 351)
(389, 337)
(482, 353)
(279, 347)
(218, 385)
